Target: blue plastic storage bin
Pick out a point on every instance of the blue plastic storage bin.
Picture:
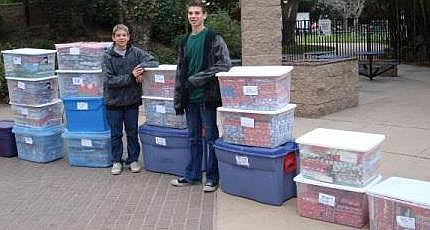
(85, 114)
(7, 139)
(88, 149)
(165, 150)
(39, 144)
(262, 174)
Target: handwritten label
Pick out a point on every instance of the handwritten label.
(159, 78)
(160, 141)
(24, 111)
(77, 81)
(17, 60)
(250, 90)
(242, 161)
(82, 105)
(247, 122)
(74, 51)
(348, 157)
(160, 109)
(21, 85)
(86, 142)
(28, 140)
(405, 222)
(327, 199)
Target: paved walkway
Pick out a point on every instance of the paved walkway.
(57, 196)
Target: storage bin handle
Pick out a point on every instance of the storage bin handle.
(48, 85)
(290, 162)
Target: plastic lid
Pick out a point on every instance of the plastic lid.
(256, 71)
(257, 151)
(89, 135)
(339, 139)
(29, 51)
(269, 112)
(163, 131)
(301, 179)
(84, 44)
(6, 124)
(31, 79)
(158, 98)
(79, 71)
(38, 106)
(163, 67)
(405, 189)
(47, 131)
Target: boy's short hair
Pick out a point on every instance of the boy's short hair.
(197, 3)
(120, 27)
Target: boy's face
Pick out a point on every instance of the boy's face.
(196, 17)
(121, 38)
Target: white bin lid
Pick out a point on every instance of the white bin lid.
(256, 71)
(158, 98)
(404, 189)
(163, 67)
(268, 112)
(79, 71)
(300, 179)
(29, 51)
(56, 101)
(32, 78)
(340, 139)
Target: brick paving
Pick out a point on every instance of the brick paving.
(58, 196)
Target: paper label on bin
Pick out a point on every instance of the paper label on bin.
(250, 90)
(159, 78)
(348, 157)
(160, 109)
(21, 85)
(28, 140)
(327, 199)
(160, 141)
(82, 105)
(86, 142)
(17, 60)
(247, 122)
(24, 111)
(405, 222)
(74, 51)
(242, 161)
(77, 81)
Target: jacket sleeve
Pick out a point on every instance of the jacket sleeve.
(178, 96)
(113, 80)
(222, 63)
(146, 60)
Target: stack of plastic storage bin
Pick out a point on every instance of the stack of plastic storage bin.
(37, 110)
(87, 136)
(256, 157)
(336, 169)
(164, 137)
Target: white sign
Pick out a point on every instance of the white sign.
(242, 161)
(86, 142)
(74, 51)
(82, 105)
(160, 109)
(77, 81)
(247, 122)
(405, 222)
(325, 26)
(24, 111)
(17, 60)
(21, 85)
(160, 141)
(28, 140)
(159, 78)
(250, 90)
(327, 199)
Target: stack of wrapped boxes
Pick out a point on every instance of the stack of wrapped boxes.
(336, 169)
(87, 137)
(37, 110)
(164, 137)
(256, 157)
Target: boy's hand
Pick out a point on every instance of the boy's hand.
(138, 73)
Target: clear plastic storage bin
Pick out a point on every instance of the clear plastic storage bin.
(81, 83)
(49, 114)
(29, 63)
(399, 203)
(257, 128)
(81, 55)
(160, 111)
(160, 81)
(39, 144)
(340, 157)
(255, 87)
(32, 91)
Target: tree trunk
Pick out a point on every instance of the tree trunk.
(425, 28)
(289, 15)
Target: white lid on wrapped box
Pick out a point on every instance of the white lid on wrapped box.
(158, 98)
(256, 71)
(404, 189)
(31, 79)
(268, 112)
(38, 106)
(79, 71)
(163, 67)
(300, 179)
(340, 139)
(29, 51)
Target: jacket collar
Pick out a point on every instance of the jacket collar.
(113, 53)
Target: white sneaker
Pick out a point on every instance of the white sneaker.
(116, 169)
(134, 167)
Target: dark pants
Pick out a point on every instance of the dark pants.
(129, 117)
(201, 121)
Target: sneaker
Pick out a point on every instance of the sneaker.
(180, 182)
(116, 169)
(134, 167)
(210, 187)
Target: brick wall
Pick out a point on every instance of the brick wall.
(13, 16)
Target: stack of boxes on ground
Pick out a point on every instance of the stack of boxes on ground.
(336, 169)
(164, 137)
(37, 110)
(256, 157)
(87, 134)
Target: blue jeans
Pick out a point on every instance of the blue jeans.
(201, 122)
(129, 117)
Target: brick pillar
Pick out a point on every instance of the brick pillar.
(261, 32)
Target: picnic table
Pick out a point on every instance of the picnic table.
(371, 68)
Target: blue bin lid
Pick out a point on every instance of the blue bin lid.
(6, 125)
(73, 99)
(163, 131)
(47, 131)
(89, 135)
(257, 151)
